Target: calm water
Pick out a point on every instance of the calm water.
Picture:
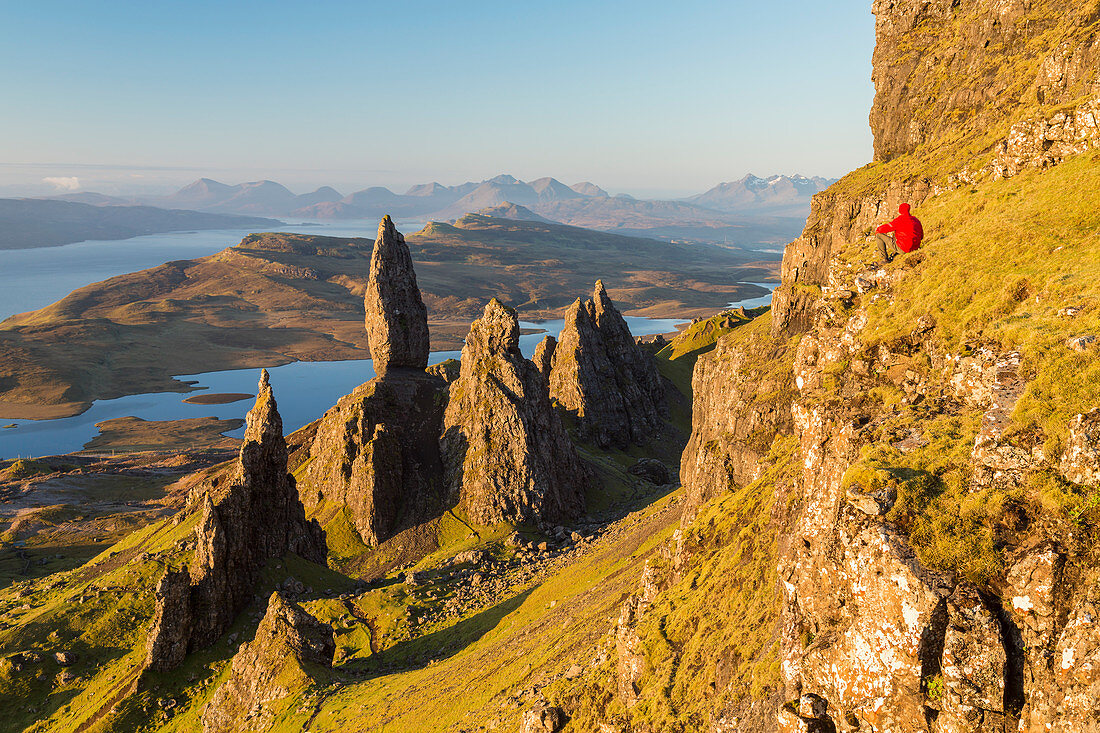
(31, 279)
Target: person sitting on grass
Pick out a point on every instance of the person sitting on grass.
(903, 234)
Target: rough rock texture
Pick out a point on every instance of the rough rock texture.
(997, 54)
(544, 356)
(377, 453)
(506, 453)
(446, 370)
(630, 658)
(738, 408)
(1081, 460)
(544, 719)
(289, 648)
(396, 319)
(600, 375)
(256, 516)
(167, 644)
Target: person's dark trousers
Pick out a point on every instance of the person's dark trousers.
(887, 247)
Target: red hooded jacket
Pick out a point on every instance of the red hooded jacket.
(908, 232)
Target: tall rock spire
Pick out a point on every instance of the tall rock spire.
(600, 375)
(255, 517)
(396, 319)
(505, 450)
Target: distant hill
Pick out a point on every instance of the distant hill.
(788, 195)
(509, 211)
(255, 197)
(28, 223)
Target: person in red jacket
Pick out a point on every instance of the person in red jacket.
(903, 234)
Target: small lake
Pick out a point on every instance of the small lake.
(34, 278)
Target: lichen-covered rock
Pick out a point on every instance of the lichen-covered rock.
(1081, 459)
(396, 318)
(506, 453)
(972, 665)
(600, 375)
(377, 453)
(288, 651)
(255, 516)
(166, 647)
(629, 655)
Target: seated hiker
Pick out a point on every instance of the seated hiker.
(903, 234)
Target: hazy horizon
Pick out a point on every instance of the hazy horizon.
(639, 98)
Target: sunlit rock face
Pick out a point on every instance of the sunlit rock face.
(599, 374)
(506, 452)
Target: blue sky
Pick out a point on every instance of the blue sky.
(638, 96)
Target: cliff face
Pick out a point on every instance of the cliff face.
(255, 517)
(924, 578)
(942, 65)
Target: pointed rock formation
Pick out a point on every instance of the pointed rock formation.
(377, 453)
(255, 518)
(396, 319)
(601, 376)
(506, 452)
(167, 644)
(289, 648)
(544, 356)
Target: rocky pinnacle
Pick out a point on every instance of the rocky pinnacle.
(396, 319)
(600, 375)
(505, 450)
(253, 517)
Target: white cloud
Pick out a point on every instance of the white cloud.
(63, 183)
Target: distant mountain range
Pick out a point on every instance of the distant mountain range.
(741, 211)
(776, 195)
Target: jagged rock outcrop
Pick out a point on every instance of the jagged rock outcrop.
(290, 649)
(506, 453)
(377, 453)
(396, 318)
(1081, 460)
(544, 356)
(630, 663)
(253, 517)
(166, 647)
(600, 375)
(447, 370)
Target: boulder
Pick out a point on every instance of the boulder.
(544, 718)
(506, 454)
(599, 375)
(652, 470)
(396, 318)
